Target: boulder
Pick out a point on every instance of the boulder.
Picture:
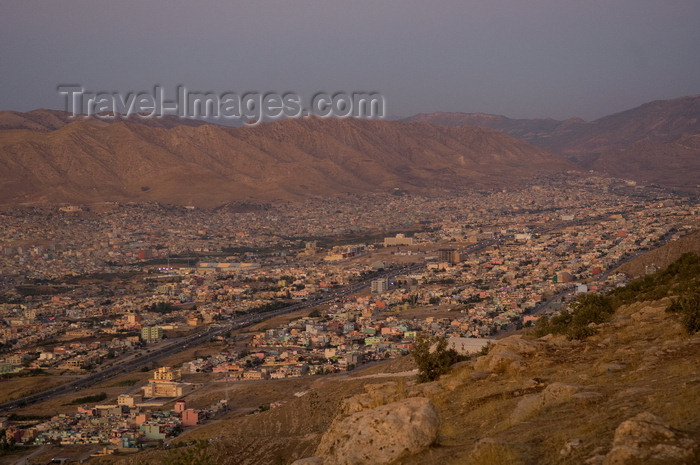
(507, 354)
(587, 397)
(557, 341)
(610, 367)
(380, 435)
(649, 313)
(375, 395)
(527, 407)
(425, 389)
(515, 344)
(479, 375)
(504, 361)
(647, 439)
(558, 392)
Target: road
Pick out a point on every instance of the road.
(172, 346)
(544, 306)
(40, 450)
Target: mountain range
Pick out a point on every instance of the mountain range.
(658, 142)
(48, 156)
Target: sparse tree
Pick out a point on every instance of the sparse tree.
(432, 357)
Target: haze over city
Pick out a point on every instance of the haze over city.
(537, 59)
(350, 233)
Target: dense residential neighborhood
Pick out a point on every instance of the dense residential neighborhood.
(86, 287)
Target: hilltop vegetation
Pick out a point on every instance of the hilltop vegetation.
(663, 256)
(680, 280)
(432, 361)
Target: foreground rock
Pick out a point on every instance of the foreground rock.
(647, 439)
(375, 395)
(507, 355)
(380, 435)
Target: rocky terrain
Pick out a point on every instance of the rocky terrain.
(629, 395)
(42, 159)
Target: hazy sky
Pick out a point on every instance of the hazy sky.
(521, 58)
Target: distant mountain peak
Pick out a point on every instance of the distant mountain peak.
(638, 143)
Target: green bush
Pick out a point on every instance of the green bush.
(432, 364)
(591, 308)
(575, 323)
(688, 307)
(558, 324)
(88, 399)
(681, 278)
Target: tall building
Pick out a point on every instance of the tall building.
(30, 314)
(450, 256)
(380, 285)
(190, 417)
(151, 334)
(166, 374)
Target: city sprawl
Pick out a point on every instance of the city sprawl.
(101, 291)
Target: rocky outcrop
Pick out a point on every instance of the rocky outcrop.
(380, 435)
(647, 439)
(375, 395)
(507, 355)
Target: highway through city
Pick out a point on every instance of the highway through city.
(146, 357)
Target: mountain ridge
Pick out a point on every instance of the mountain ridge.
(90, 160)
(655, 142)
(49, 156)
